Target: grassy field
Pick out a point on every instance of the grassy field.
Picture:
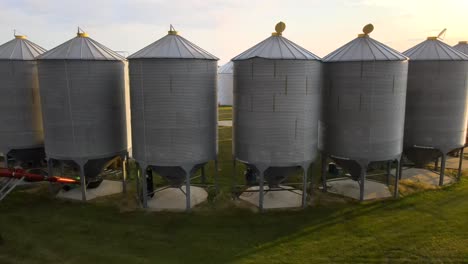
(425, 227)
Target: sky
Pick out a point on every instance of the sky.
(227, 28)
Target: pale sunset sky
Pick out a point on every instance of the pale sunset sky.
(226, 28)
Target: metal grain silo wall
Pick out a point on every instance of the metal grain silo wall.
(276, 111)
(174, 111)
(364, 110)
(83, 105)
(436, 112)
(225, 83)
(20, 109)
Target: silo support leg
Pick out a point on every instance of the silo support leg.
(324, 172)
(203, 176)
(389, 167)
(436, 164)
(216, 176)
(144, 188)
(397, 179)
(83, 182)
(137, 185)
(234, 175)
(50, 172)
(362, 183)
(442, 170)
(304, 186)
(460, 163)
(261, 190)
(124, 174)
(187, 191)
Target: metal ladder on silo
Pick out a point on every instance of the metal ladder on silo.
(7, 185)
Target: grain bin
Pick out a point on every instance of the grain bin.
(21, 134)
(225, 83)
(83, 102)
(462, 46)
(174, 109)
(436, 112)
(276, 108)
(363, 106)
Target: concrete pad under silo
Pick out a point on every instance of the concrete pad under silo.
(174, 199)
(226, 123)
(288, 197)
(424, 176)
(350, 188)
(105, 188)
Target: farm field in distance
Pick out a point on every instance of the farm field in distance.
(424, 227)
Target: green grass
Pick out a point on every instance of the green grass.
(426, 227)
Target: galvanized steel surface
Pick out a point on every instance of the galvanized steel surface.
(83, 105)
(433, 49)
(277, 47)
(364, 110)
(364, 49)
(436, 112)
(81, 48)
(20, 108)
(276, 111)
(462, 47)
(174, 111)
(20, 49)
(226, 83)
(174, 47)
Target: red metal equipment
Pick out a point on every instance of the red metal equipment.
(30, 177)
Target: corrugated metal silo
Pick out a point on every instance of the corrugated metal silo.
(436, 112)
(20, 109)
(276, 107)
(83, 103)
(462, 46)
(225, 83)
(174, 109)
(363, 105)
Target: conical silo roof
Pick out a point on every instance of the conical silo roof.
(172, 46)
(81, 47)
(434, 49)
(277, 47)
(20, 48)
(227, 68)
(462, 46)
(364, 48)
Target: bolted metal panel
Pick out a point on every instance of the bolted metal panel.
(20, 109)
(279, 48)
(83, 105)
(462, 46)
(433, 49)
(172, 46)
(364, 110)
(20, 48)
(81, 48)
(276, 111)
(174, 111)
(436, 112)
(225, 83)
(364, 49)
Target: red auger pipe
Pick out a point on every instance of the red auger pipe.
(30, 177)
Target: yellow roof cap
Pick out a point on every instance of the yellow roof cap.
(279, 28)
(367, 29)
